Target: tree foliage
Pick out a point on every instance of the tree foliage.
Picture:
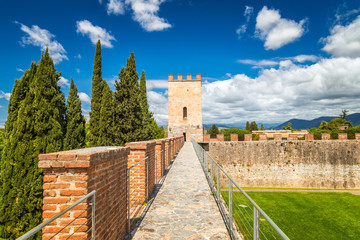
(127, 109)
(96, 97)
(106, 117)
(213, 131)
(75, 121)
(35, 126)
(288, 127)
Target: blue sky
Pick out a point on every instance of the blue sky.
(267, 61)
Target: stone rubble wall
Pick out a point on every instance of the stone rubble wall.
(331, 164)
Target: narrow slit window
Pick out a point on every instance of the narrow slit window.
(184, 112)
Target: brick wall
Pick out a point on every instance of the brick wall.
(220, 137)
(262, 137)
(70, 175)
(292, 137)
(142, 176)
(325, 136)
(207, 138)
(160, 159)
(234, 137)
(342, 136)
(247, 137)
(167, 152)
(309, 137)
(277, 137)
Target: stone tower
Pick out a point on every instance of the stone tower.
(185, 111)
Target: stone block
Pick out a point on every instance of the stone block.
(342, 136)
(325, 136)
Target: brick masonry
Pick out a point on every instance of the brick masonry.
(291, 164)
(220, 137)
(234, 137)
(309, 137)
(207, 138)
(70, 175)
(325, 136)
(262, 137)
(247, 137)
(159, 158)
(342, 136)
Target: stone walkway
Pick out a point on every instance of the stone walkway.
(184, 207)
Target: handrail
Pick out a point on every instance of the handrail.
(267, 218)
(42, 225)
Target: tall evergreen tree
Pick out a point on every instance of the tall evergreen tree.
(213, 131)
(75, 121)
(253, 126)
(96, 95)
(38, 128)
(127, 110)
(106, 117)
(248, 127)
(148, 130)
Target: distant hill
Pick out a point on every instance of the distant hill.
(306, 124)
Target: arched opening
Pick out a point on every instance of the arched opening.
(184, 112)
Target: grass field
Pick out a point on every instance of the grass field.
(305, 215)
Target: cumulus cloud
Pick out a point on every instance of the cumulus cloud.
(5, 95)
(115, 7)
(277, 61)
(42, 38)
(19, 70)
(247, 14)
(288, 91)
(159, 106)
(63, 82)
(78, 56)
(95, 33)
(146, 12)
(276, 31)
(344, 41)
(84, 98)
(156, 84)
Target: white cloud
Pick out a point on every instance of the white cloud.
(5, 95)
(344, 40)
(277, 31)
(95, 33)
(78, 70)
(277, 61)
(19, 70)
(146, 13)
(247, 14)
(159, 106)
(63, 82)
(289, 91)
(78, 56)
(44, 39)
(156, 84)
(84, 98)
(115, 7)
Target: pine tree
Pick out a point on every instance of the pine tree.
(127, 110)
(148, 129)
(262, 127)
(213, 131)
(38, 128)
(75, 121)
(253, 126)
(248, 126)
(106, 117)
(96, 95)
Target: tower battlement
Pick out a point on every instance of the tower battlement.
(188, 77)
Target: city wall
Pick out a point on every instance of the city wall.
(332, 164)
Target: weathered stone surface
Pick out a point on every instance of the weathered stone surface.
(184, 207)
(185, 94)
(298, 164)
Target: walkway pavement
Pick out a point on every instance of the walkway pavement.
(184, 207)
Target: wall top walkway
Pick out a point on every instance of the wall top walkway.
(184, 207)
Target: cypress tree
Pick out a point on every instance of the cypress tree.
(106, 118)
(213, 131)
(38, 129)
(127, 110)
(148, 129)
(75, 121)
(97, 92)
(248, 127)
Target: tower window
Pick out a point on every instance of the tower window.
(184, 112)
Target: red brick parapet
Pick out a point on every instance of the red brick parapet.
(159, 159)
(206, 137)
(262, 137)
(292, 137)
(325, 136)
(277, 137)
(167, 152)
(247, 137)
(309, 137)
(234, 137)
(357, 136)
(70, 175)
(220, 137)
(342, 136)
(141, 179)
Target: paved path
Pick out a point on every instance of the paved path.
(184, 207)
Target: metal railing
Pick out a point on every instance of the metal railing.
(91, 205)
(135, 193)
(242, 216)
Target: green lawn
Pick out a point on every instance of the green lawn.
(304, 215)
